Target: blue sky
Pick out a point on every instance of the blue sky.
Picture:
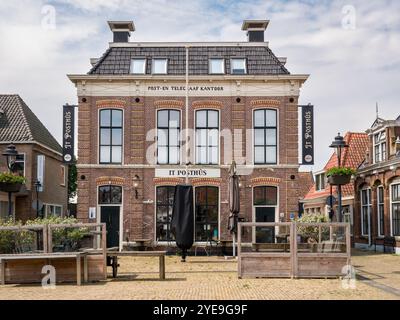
(351, 68)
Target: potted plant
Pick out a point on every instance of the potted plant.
(10, 182)
(339, 175)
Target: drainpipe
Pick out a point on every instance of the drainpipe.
(187, 114)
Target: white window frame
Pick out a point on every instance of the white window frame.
(210, 71)
(48, 205)
(380, 144)
(318, 178)
(258, 165)
(144, 60)
(179, 136)
(369, 205)
(153, 64)
(350, 216)
(396, 182)
(378, 204)
(219, 137)
(245, 66)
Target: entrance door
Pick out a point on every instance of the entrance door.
(265, 234)
(110, 216)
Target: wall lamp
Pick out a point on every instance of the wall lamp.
(136, 180)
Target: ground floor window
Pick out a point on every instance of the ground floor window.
(164, 206)
(381, 211)
(206, 213)
(52, 210)
(265, 202)
(395, 203)
(365, 210)
(110, 195)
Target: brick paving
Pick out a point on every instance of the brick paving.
(212, 278)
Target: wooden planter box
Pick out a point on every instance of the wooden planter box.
(339, 180)
(10, 187)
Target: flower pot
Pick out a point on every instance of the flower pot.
(339, 180)
(10, 187)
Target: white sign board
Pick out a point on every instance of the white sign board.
(192, 173)
(92, 213)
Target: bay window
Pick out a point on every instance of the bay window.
(265, 136)
(111, 136)
(207, 137)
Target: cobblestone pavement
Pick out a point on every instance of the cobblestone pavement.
(209, 278)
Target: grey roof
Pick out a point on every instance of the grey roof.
(19, 124)
(260, 59)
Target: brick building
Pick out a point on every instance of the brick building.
(238, 101)
(316, 200)
(377, 184)
(39, 158)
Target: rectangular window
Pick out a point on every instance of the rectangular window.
(110, 195)
(111, 136)
(19, 165)
(381, 211)
(138, 66)
(168, 136)
(395, 203)
(164, 206)
(62, 175)
(53, 210)
(207, 137)
(159, 66)
(238, 66)
(380, 147)
(320, 182)
(40, 171)
(206, 212)
(265, 136)
(217, 66)
(365, 210)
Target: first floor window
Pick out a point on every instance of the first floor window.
(168, 136)
(396, 209)
(110, 195)
(320, 182)
(18, 166)
(381, 211)
(265, 136)
(206, 212)
(365, 210)
(111, 136)
(207, 137)
(164, 206)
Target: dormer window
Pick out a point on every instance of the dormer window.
(238, 66)
(217, 66)
(380, 147)
(159, 66)
(138, 66)
(320, 182)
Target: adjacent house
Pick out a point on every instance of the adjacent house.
(316, 201)
(39, 159)
(377, 197)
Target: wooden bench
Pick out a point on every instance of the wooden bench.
(48, 256)
(113, 255)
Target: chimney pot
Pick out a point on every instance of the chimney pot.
(121, 30)
(255, 29)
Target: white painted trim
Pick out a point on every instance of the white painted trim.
(395, 182)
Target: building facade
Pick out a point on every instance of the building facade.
(148, 120)
(39, 158)
(377, 185)
(317, 199)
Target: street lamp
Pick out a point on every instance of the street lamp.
(38, 185)
(11, 154)
(339, 144)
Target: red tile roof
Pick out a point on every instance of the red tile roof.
(352, 157)
(306, 182)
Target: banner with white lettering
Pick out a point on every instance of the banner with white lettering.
(68, 133)
(307, 119)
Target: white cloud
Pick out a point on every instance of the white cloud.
(350, 69)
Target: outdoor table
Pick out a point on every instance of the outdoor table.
(66, 255)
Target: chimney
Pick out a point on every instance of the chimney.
(255, 29)
(121, 30)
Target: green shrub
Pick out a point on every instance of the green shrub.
(7, 177)
(15, 242)
(340, 171)
(312, 232)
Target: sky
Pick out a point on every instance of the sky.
(351, 49)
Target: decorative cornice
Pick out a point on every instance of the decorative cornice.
(216, 182)
(167, 181)
(265, 181)
(265, 103)
(204, 104)
(116, 181)
(169, 104)
(111, 103)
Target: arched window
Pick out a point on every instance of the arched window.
(111, 126)
(265, 136)
(110, 195)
